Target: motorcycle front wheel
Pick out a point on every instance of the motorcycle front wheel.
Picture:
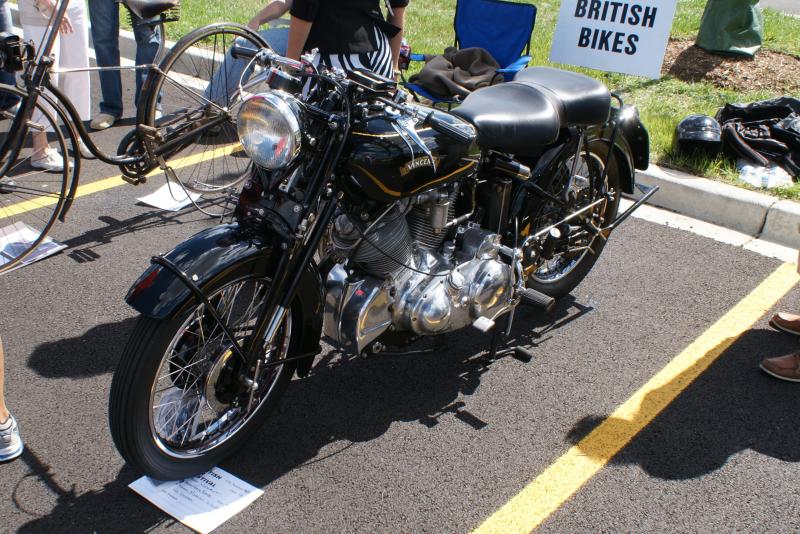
(576, 254)
(181, 400)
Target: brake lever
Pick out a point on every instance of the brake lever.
(405, 125)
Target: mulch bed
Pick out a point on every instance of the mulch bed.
(773, 71)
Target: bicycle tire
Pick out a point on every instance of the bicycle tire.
(31, 199)
(212, 163)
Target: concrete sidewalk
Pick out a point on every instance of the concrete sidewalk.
(755, 214)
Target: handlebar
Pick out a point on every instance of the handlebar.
(445, 128)
(430, 119)
(243, 52)
(265, 57)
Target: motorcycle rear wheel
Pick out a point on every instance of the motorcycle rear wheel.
(176, 407)
(570, 264)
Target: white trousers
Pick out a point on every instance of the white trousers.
(71, 51)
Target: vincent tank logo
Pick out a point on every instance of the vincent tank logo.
(416, 163)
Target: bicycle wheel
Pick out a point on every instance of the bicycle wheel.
(30, 198)
(198, 86)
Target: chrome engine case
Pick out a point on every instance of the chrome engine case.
(451, 292)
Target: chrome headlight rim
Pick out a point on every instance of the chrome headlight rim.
(285, 106)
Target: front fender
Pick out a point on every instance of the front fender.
(209, 257)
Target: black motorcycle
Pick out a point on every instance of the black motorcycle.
(372, 222)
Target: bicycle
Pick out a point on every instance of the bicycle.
(188, 127)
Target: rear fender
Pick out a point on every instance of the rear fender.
(208, 258)
(545, 167)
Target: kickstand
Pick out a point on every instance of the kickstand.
(500, 338)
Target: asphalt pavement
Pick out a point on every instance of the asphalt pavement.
(423, 443)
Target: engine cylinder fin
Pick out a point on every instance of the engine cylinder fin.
(391, 237)
(419, 223)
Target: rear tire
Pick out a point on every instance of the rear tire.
(560, 277)
(163, 424)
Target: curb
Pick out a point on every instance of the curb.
(755, 214)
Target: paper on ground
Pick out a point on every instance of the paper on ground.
(169, 197)
(16, 238)
(202, 503)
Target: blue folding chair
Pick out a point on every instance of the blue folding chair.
(502, 28)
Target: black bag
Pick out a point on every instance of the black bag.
(764, 131)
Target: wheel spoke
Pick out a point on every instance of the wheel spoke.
(199, 368)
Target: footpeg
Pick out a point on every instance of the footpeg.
(531, 297)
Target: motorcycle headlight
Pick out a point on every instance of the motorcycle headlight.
(269, 129)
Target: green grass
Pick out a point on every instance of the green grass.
(662, 103)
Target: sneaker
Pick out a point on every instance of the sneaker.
(10, 442)
(103, 121)
(783, 367)
(50, 160)
(788, 322)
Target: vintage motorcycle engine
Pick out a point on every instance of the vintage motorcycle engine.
(402, 275)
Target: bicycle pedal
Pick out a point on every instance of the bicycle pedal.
(134, 181)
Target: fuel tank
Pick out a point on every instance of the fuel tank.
(385, 166)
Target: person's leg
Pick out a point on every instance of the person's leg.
(74, 54)
(104, 17)
(8, 78)
(42, 153)
(225, 80)
(5, 26)
(3, 408)
(278, 39)
(147, 42)
(10, 442)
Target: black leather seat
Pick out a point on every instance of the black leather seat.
(147, 9)
(581, 100)
(511, 117)
(525, 114)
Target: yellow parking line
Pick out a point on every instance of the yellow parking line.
(114, 181)
(544, 495)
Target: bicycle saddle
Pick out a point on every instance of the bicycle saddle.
(147, 9)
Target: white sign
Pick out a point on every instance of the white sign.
(626, 36)
(169, 197)
(202, 503)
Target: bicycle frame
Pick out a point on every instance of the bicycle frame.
(36, 84)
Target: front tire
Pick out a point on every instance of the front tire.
(177, 406)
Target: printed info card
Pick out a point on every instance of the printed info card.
(202, 503)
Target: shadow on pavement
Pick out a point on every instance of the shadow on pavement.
(346, 402)
(82, 248)
(113, 509)
(731, 407)
(355, 402)
(93, 353)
